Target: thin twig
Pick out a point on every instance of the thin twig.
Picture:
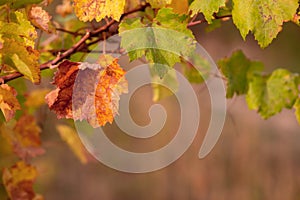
(79, 45)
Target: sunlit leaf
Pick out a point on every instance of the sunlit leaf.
(238, 71)
(87, 91)
(207, 7)
(263, 17)
(8, 101)
(17, 50)
(70, 136)
(165, 42)
(87, 10)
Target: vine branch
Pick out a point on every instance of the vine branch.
(109, 29)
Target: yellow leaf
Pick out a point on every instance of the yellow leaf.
(70, 136)
(8, 101)
(87, 10)
(179, 6)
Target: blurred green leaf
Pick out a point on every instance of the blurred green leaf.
(238, 70)
(270, 94)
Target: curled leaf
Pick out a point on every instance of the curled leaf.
(40, 18)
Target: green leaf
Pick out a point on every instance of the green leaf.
(23, 59)
(238, 70)
(19, 4)
(17, 39)
(207, 7)
(165, 42)
(159, 3)
(263, 17)
(270, 94)
(297, 109)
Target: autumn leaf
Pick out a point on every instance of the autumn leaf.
(8, 101)
(23, 136)
(87, 91)
(87, 10)
(41, 19)
(18, 181)
(72, 139)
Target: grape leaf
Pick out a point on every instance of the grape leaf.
(238, 70)
(270, 94)
(17, 50)
(207, 7)
(70, 136)
(18, 181)
(297, 109)
(165, 42)
(41, 19)
(263, 17)
(87, 10)
(8, 101)
(87, 91)
(159, 3)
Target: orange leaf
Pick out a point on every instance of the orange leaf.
(8, 101)
(87, 91)
(18, 181)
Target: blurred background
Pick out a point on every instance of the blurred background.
(254, 159)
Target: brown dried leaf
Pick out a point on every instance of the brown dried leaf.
(93, 96)
(8, 101)
(41, 19)
(18, 181)
(60, 100)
